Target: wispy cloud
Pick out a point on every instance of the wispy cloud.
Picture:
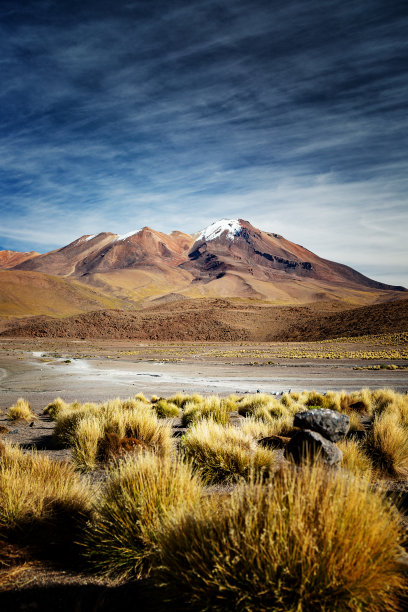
(292, 115)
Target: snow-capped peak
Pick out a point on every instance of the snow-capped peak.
(128, 235)
(90, 237)
(216, 229)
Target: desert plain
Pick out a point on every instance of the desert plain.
(41, 369)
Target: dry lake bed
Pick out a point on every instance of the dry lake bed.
(41, 369)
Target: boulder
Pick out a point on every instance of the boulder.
(309, 445)
(329, 423)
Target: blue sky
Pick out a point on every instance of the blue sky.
(116, 115)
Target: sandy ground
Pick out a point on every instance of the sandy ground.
(40, 372)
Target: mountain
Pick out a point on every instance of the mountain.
(229, 259)
(63, 261)
(235, 246)
(10, 259)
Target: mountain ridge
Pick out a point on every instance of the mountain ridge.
(225, 245)
(228, 259)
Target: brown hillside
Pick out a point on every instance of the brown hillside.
(23, 293)
(10, 259)
(377, 319)
(223, 320)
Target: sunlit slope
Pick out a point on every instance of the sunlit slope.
(34, 293)
(138, 285)
(287, 291)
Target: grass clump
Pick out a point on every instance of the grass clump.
(387, 445)
(36, 488)
(355, 459)
(211, 407)
(142, 493)
(181, 399)
(88, 433)
(54, 408)
(312, 540)
(262, 406)
(84, 429)
(21, 411)
(166, 409)
(258, 428)
(225, 453)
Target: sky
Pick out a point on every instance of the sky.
(293, 115)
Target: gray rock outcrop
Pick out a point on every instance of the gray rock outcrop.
(331, 424)
(309, 445)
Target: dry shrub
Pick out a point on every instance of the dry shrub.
(34, 487)
(112, 446)
(382, 399)
(209, 408)
(165, 409)
(181, 399)
(83, 428)
(143, 425)
(261, 405)
(88, 432)
(142, 492)
(313, 540)
(358, 401)
(387, 401)
(355, 459)
(141, 398)
(258, 428)
(21, 411)
(355, 422)
(318, 400)
(225, 453)
(55, 407)
(387, 445)
(66, 422)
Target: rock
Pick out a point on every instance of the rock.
(274, 442)
(329, 423)
(310, 445)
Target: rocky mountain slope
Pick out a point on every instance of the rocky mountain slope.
(10, 259)
(222, 320)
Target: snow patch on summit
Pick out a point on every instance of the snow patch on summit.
(128, 235)
(216, 229)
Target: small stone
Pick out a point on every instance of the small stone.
(309, 445)
(329, 423)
